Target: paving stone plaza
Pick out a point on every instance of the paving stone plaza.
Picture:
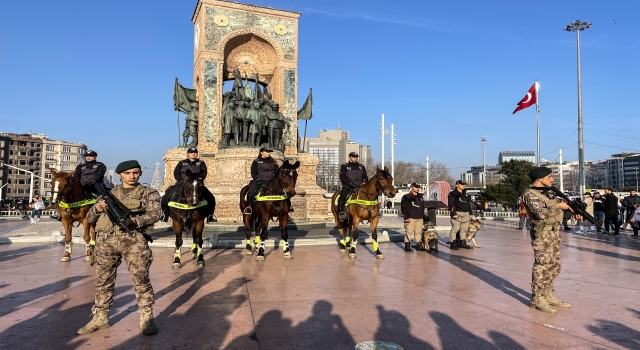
(322, 299)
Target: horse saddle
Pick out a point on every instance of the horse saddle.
(355, 201)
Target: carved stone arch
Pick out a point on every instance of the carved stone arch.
(251, 51)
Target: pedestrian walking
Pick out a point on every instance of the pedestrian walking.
(584, 226)
(412, 206)
(611, 211)
(37, 205)
(114, 243)
(546, 217)
(461, 212)
(598, 209)
(630, 203)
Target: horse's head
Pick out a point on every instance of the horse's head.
(60, 185)
(288, 177)
(192, 188)
(384, 182)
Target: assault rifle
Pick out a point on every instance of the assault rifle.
(579, 208)
(117, 212)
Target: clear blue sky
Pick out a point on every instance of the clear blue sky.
(444, 73)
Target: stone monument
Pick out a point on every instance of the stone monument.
(236, 42)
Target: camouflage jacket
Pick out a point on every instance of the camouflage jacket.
(150, 201)
(541, 207)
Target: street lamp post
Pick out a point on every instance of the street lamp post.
(26, 171)
(577, 27)
(384, 132)
(636, 179)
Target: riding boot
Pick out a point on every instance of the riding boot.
(146, 322)
(100, 320)
(165, 216)
(407, 247)
(247, 209)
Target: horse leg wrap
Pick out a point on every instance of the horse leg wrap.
(375, 245)
(177, 254)
(193, 246)
(249, 242)
(346, 240)
(353, 245)
(257, 240)
(92, 242)
(262, 245)
(67, 247)
(199, 250)
(285, 246)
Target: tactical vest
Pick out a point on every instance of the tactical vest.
(541, 224)
(266, 169)
(355, 172)
(89, 173)
(133, 202)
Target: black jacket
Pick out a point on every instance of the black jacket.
(90, 173)
(598, 203)
(353, 174)
(459, 202)
(611, 205)
(196, 166)
(631, 202)
(412, 207)
(263, 169)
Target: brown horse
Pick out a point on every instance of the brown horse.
(275, 203)
(188, 213)
(363, 205)
(69, 198)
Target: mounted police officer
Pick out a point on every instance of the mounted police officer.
(196, 166)
(263, 169)
(546, 214)
(90, 173)
(114, 243)
(352, 175)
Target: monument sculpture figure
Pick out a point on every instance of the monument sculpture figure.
(191, 127)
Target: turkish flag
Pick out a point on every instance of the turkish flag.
(529, 99)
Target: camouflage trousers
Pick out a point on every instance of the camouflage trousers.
(546, 253)
(110, 250)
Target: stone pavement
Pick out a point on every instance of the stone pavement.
(466, 299)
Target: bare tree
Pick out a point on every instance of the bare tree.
(408, 172)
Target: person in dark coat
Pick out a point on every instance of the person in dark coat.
(90, 173)
(630, 203)
(263, 169)
(611, 211)
(352, 175)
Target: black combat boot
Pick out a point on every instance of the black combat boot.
(420, 247)
(465, 245)
(453, 245)
(407, 247)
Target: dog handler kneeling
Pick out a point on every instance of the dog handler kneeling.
(546, 219)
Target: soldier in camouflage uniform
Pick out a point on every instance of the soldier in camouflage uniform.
(546, 214)
(114, 243)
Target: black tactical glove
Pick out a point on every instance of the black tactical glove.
(129, 223)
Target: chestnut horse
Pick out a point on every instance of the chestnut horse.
(271, 201)
(363, 205)
(69, 198)
(188, 213)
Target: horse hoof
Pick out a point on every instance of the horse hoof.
(379, 256)
(200, 263)
(288, 256)
(248, 252)
(177, 265)
(260, 258)
(65, 259)
(87, 258)
(352, 255)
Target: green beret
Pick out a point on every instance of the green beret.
(539, 172)
(126, 165)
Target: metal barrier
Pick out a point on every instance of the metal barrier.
(18, 213)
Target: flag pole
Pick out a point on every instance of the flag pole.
(538, 123)
(178, 118)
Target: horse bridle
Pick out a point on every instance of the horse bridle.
(63, 193)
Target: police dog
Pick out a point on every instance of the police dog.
(429, 235)
(474, 226)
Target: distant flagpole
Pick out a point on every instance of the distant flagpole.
(538, 123)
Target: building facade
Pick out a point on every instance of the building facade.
(34, 153)
(506, 156)
(478, 178)
(332, 148)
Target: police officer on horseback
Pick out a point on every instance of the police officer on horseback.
(352, 175)
(196, 166)
(263, 169)
(90, 173)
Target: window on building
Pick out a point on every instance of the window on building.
(20, 190)
(22, 143)
(51, 148)
(51, 156)
(66, 149)
(47, 194)
(23, 153)
(20, 172)
(23, 162)
(10, 152)
(12, 142)
(9, 181)
(48, 175)
(33, 144)
(8, 189)
(66, 167)
(47, 185)
(80, 159)
(51, 165)
(81, 150)
(66, 158)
